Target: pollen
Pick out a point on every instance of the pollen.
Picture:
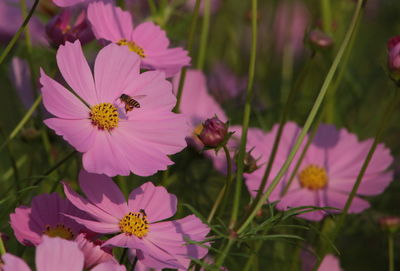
(135, 223)
(133, 47)
(59, 231)
(104, 116)
(313, 177)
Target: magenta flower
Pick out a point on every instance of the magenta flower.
(45, 217)
(56, 254)
(70, 3)
(136, 222)
(327, 172)
(393, 46)
(147, 40)
(114, 137)
(63, 27)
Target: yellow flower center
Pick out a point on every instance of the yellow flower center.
(104, 116)
(198, 129)
(59, 231)
(133, 47)
(313, 177)
(135, 224)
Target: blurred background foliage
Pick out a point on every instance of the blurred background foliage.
(360, 92)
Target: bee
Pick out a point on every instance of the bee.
(129, 102)
(142, 212)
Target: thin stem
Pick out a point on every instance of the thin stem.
(190, 45)
(152, 6)
(391, 251)
(134, 263)
(326, 16)
(2, 247)
(246, 117)
(14, 39)
(204, 34)
(225, 252)
(123, 255)
(23, 121)
(310, 118)
(226, 186)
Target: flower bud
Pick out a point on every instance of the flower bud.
(320, 39)
(214, 132)
(390, 223)
(394, 58)
(59, 29)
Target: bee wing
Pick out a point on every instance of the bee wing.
(138, 97)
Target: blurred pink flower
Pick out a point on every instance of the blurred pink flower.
(136, 222)
(64, 27)
(56, 254)
(70, 3)
(11, 19)
(214, 4)
(329, 263)
(393, 46)
(21, 79)
(327, 172)
(290, 24)
(45, 217)
(147, 40)
(114, 140)
(224, 84)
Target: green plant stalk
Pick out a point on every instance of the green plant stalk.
(190, 45)
(391, 251)
(2, 247)
(22, 122)
(310, 118)
(226, 186)
(14, 39)
(152, 6)
(326, 16)
(246, 116)
(204, 34)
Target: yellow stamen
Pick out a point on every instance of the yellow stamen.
(59, 231)
(133, 47)
(313, 177)
(134, 224)
(104, 116)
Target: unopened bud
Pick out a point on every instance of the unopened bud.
(320, 39)
(59, 29)
(214, 132)
(390, 223)
(394, 58)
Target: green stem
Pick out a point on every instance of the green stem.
(14, 39)
(246, 117)
(190, 45)
(309, 120)
(222, 256)
(152, 6)
(326, 16)
(21, 124)
(204, 34)
(391, 251)
(2, 247)
(226, 186)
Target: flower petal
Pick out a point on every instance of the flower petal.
(114, 69)
(155, 200)
(14, 263)
(104, 193)
(124, 240)
(76, 72)
(150, 36)
(59, 101)
(58, 254)
(109, 22)
(108, 266)
(79, 133)
(25, 229)
(99, 227)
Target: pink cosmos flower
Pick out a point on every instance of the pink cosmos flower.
(147, 40)
(70, 3)
(327, 172)
(56, 254)
(115, 136)
(21, 79)
(136, 222)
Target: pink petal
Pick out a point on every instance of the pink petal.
(14, 263)
(84, 205)
(163, 254)
(79, 133)
(59, 101)
(109, 22)
(76, 72)
(150, 36)
(124, 240)
(68, 3)
(338, 200)
(106, 156)
(94, 254)
(99, 227)
(155, 200)
(330, 263)
(114, 69)
(169, 61)
(109, 266)
(58, 254)
(148, 261)
(25, 230)
(104, 193)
